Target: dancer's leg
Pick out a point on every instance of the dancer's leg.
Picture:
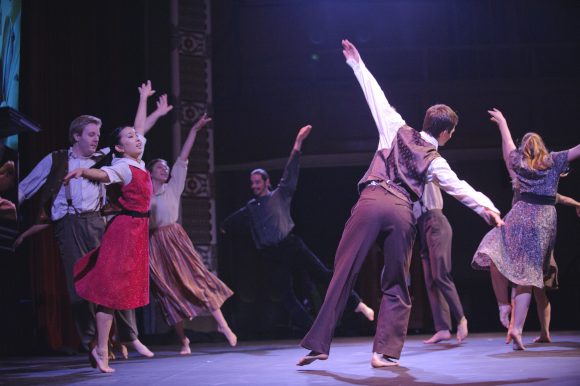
(224, 328)
(185, 349)
(544, 315)
(500, 287)
(104, 317)
(523, 295)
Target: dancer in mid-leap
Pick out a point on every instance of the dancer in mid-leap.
(518, 252)
(182, 284)
(405, 160)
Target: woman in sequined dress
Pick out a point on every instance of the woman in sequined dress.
(517, 252)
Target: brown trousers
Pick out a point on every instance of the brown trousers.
(376, 213)
(435, 233)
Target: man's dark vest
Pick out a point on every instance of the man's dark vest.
(403, 166)
(51, 187)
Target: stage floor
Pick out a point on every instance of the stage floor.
(482, 360)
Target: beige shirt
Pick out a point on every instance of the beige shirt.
(165, 203)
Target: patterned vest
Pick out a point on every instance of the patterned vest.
(402, 169)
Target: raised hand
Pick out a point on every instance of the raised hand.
(497, 117)
(162, 106)
(146, 90)
(204, 120)
(302, 135)
(349, 51)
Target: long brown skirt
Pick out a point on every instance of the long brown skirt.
(182, 284)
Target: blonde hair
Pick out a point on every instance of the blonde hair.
(77, 126)
(534, 151)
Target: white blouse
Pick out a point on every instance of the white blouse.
(165, 203)
(119, 171)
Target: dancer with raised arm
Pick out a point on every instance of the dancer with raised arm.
(115, 276)
(268, 217)
(405, 161)
(517, 253)
(74, 210)
(182, 284)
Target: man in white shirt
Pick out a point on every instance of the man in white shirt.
(74, 210)
(404, 162)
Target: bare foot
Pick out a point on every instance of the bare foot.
(543, 339)
(230, 336)
(379, 360)
(462, 330)
(508, 337)
(505, 311)
(142, 349)
(102, 361)
(311, 357)
(185, 350)
(121, 348)
(517, 339)
(439, 336)
(366, 311)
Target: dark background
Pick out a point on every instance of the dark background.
(277, 65)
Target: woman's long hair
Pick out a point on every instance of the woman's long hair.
(535, 153)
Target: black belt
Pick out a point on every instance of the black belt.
(134, 213)
(85, 214)
(537, 199)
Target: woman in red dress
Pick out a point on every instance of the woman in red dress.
(115, 276)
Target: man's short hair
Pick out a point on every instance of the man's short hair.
(439, 118)
(78, 125)
(261, 172)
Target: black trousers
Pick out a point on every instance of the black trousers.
(436, 234)
(282, 261)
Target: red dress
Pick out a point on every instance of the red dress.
(116, 275)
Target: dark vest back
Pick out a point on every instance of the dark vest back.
(404, 165)
(53, 184)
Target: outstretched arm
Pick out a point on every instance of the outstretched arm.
(27, 233)
(569, 201)
(302, 135)
(386, 118)
(506, 138)
(574, 153)
(289, 179)
(441, 174)
(145, 91)
(88, 173)
(188, 144)
(162, 109)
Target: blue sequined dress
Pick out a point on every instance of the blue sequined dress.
(522, 247)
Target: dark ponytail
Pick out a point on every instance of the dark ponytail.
(113, 140)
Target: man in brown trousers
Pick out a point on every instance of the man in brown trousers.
(405, 161)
